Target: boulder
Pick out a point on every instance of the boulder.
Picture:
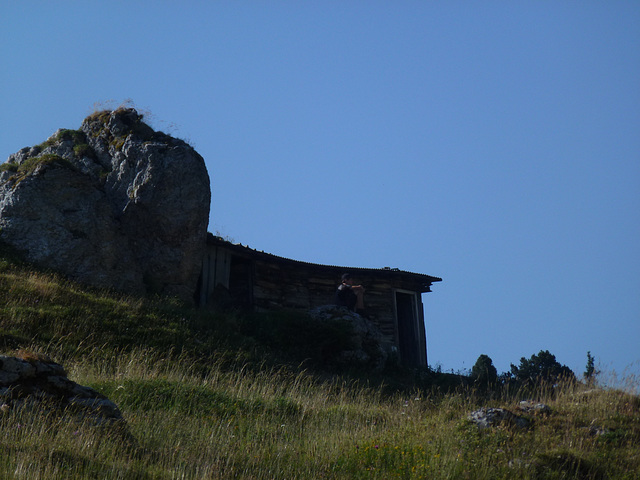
(113, 205)
(490, 417)
(369, 348)
(533, 408)
(36, 380)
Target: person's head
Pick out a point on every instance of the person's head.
(346, 278)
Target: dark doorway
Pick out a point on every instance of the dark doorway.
(408, 339)
(240, 282)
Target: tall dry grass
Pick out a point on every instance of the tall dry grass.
(276, 423)
(198, 408)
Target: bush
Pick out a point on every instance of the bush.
(483, 373)
(299, 336)
(83, 150)
(541, 368)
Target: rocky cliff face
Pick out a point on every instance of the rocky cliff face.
(113, 204)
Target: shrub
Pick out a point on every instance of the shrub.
(77, 136)
(9, 167)
(483, 373)
(541, 368)
(299, 336)
(83, 150)
(48, 159)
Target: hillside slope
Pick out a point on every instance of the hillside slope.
(242, 396)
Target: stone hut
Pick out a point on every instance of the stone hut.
(238, 276)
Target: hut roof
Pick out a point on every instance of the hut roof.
(246, 251)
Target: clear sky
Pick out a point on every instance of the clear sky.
(493, 144)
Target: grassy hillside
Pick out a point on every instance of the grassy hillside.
(253, 396)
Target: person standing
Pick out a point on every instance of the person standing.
(349, 295)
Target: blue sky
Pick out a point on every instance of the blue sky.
(493, 144)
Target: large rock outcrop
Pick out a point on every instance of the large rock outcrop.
(113, 204)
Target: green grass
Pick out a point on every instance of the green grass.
(29, 165)
(235, 396)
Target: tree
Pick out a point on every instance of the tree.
(542, 367)
(483, 373)
(590, 372)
